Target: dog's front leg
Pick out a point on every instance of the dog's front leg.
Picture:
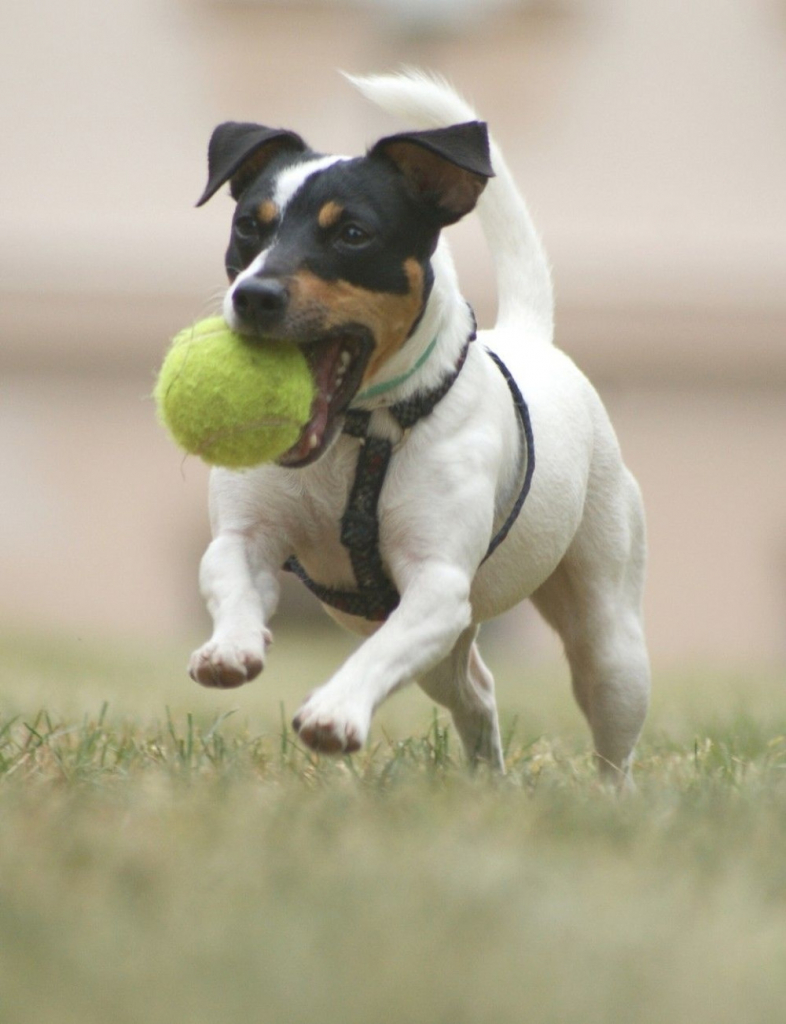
(433, 612)
(241, 596)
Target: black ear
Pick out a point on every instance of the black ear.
(446, 167)
(239, 151)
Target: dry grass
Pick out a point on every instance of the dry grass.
(195, 865)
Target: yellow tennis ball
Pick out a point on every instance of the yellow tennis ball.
(233, 401)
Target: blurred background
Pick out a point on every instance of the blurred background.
(650, 141)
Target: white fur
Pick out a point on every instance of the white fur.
(292, 179)
(577, 549)
(256, 266)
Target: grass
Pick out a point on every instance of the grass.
(169, 854)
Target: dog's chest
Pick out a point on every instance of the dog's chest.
(326, 488)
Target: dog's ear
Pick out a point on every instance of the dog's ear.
(239, 151)
(446, 167)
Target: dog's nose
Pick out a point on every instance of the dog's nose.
(260, 301)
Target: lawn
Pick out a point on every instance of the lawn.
(171, 854)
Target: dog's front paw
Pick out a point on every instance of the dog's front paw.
(330, 725)
(227, 665)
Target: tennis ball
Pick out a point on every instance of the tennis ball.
(233, 401)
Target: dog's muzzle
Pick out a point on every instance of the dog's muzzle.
(260, 303)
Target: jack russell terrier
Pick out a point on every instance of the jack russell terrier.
(442, 478)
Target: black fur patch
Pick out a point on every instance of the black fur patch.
(381, 226)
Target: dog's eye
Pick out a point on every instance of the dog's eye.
(353, 236)
(247, 228)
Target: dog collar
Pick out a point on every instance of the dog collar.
(388, 385)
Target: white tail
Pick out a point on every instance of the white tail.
(523, 278)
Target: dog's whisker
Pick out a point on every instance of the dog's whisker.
(213, 304)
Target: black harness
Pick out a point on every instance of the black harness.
(376, 596)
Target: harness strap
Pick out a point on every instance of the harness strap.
(376, 596)
(529, 443)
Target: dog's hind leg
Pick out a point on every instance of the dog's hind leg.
(463, 684)
(593, 600)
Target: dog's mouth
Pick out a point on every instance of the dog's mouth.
(337, 362)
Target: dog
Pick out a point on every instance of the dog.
(346, 256)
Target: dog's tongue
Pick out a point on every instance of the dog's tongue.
(312, 436)
(324, 369)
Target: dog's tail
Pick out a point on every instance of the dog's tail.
(523, 277)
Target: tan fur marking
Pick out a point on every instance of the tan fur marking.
(267, 211)
(389, 317)
(329, 214)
